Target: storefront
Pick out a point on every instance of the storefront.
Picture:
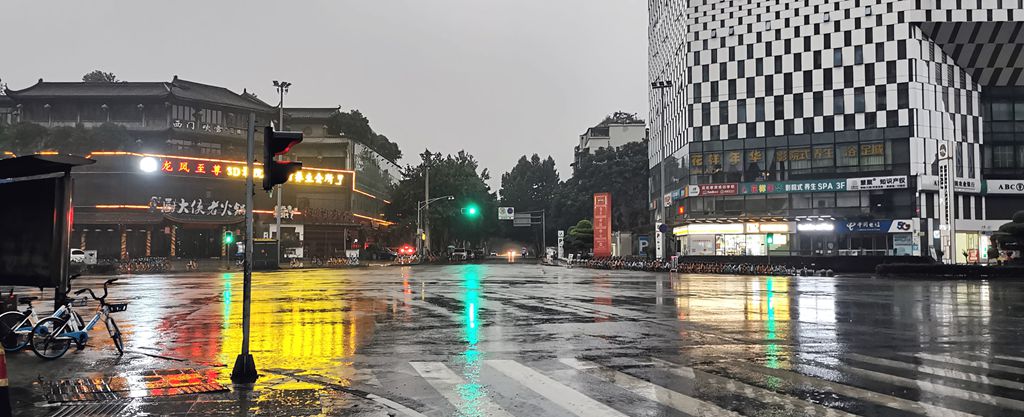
(736, 239)
(883, 237)
(973, 239)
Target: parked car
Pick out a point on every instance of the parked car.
(77, 256)
(460, 254)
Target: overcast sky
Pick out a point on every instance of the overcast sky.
(498, 78)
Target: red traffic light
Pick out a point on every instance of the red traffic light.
(275, 144)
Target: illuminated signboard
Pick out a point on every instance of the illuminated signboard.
(217, 169)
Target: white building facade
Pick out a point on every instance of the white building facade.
(819, 122)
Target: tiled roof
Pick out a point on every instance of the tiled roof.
(177, 88)
(311, 112)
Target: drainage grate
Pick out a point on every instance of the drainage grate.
(109, 408)
(149, 384)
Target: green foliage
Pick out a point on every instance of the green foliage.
(458, 175)
(1011, 235)
(97, 76)
(26, 138)
(622, 172)
(531, 185)
(621, 117)
(357, 127)
(580, 238)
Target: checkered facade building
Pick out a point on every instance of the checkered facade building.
(748, 69)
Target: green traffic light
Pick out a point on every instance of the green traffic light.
(471, 210)
(229, 238)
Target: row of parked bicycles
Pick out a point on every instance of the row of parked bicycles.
(147, 265)
(638, 263)
(52, 336)
(632, 263)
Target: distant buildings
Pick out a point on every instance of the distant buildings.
(171, 161)
(609, 135)
(821, 123)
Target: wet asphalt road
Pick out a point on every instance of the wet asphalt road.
(528, 340)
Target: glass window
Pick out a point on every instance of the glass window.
(858, 55)
(734, 166)
(801, 201)
(755, 204)
(1019, 111)
(837, 58)
(734, 204)
(799, 159)
(848, 199)
(823, 156)
(1020, 156)
(1002, 156)
(838, 106)
(848, 155)
(858, 101)
(1002, 111)
(872, 153)
(755, 165)
(824, 200)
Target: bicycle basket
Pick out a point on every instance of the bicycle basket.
(79, 302)
(114, 308)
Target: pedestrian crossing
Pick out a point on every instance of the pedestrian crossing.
(852, 384)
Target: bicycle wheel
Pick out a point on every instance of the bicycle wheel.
(46, 340)
(9, 335)
(115, 335)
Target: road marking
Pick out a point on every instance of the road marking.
(565, 397)
(396, 406)
(1009, 358)
(976, 364)
(470, 402)
(937, 388)
(650, 391)
(859, 393)
(948, 373)
(757, 393)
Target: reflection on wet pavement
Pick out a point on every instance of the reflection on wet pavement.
(526, 340)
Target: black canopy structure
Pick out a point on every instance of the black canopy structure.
(35, 220)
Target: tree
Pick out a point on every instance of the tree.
(1010, 236)
(623, 172)
(26, 138)
(580, 237)
(621, 117)
(97, 76)
(458, 175)
(357, 127)
(531, 185)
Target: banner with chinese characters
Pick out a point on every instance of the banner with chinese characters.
(603, 224)
(805, 186)
(877, 183)
(206, 127)
(214, 168)
(198, 207)
(713, 189)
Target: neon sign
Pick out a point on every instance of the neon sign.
(218, 169)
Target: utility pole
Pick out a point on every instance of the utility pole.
(426, 213)
(244, 371)
(282, 88)
(660, 244)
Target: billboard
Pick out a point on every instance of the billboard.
(30, 253)
(602, 224)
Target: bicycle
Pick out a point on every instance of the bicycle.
(52, 337)
(16, 326)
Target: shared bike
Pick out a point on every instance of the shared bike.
(16, 326)
(53, 336)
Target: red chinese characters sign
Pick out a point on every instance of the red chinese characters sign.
(213, 168)
(602, 224)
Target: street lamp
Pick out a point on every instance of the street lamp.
(662, 86)
(420, 234)
(282, 89)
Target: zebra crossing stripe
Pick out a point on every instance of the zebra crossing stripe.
(937, 388)
(858, 393)
(453, 387)
(948, 373)
(563, 396)
(1009, 358)
(757, 393)
(976, 364)
(659, 394)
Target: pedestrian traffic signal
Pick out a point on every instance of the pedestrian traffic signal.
(276, 144)
(769, 239)
(229, 238)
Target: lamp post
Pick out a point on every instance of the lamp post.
(420, 205)
(282, 89)
(660, 244)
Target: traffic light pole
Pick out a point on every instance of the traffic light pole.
(244, 371)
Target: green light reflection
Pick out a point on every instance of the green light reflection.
(472, 392)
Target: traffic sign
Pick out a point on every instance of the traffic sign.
(522, 220)
(506, 213)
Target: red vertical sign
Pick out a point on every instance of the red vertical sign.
(602, 224)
